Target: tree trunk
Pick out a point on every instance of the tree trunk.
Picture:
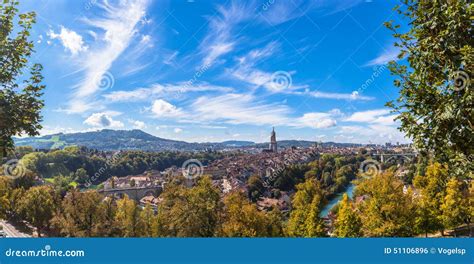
(38, 231)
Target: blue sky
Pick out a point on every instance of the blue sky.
(218, 70)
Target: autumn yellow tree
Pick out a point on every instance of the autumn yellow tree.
(387, 210)
(432, 189)
(304, 219)
(455, 207)
(127, 218)
(242, 218)
(348, 223)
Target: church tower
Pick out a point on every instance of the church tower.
(273, 142)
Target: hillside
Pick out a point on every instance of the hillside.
(138, 140)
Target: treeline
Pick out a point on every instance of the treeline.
(386, 207)
(333, 172)
(198, 211)
(80, 165)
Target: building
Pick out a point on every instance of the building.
(273, 143)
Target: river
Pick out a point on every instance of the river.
(326, 209)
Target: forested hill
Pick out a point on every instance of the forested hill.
(117, 140)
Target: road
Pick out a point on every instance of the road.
(11, 231)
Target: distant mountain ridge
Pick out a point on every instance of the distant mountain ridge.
(108, 139)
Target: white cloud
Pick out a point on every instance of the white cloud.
(340, 96)
(238, 109)
(119, 25)
(103, 119)
(388, 55)
(137, 124)
(374, 133)
(69, 39)
(369, 116)
(317, 120)
(178, 130)
(161, 108)
(163, 90)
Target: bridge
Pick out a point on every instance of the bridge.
(386, 157)
(135, 193)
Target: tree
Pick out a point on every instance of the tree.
(190, 212)
(387, 210)
(255, 187)
(314, 224)
(432, 187)
(20, 105)
(148, 222)
(348, 223)
(5, 191)
(38, 205)
(304, 218)
(455, 208)
(127, 218)
(81, 214)
(242, 219)
(436, 93)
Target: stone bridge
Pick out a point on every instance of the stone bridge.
(135, 193)
(386, 157)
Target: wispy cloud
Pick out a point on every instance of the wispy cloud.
(119, 25)
(340, 96)
(220, 39)
(247, 71)
(386, 56)
(163, 90)
(376, 116)
(238, 109)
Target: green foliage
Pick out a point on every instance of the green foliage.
(19, 94)
(255, 187)
(38, 205)
(80, 215)
(190, 212)
(85, 165)
(127, 218)
(435, 105)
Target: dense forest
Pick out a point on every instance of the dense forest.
(81, 165)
